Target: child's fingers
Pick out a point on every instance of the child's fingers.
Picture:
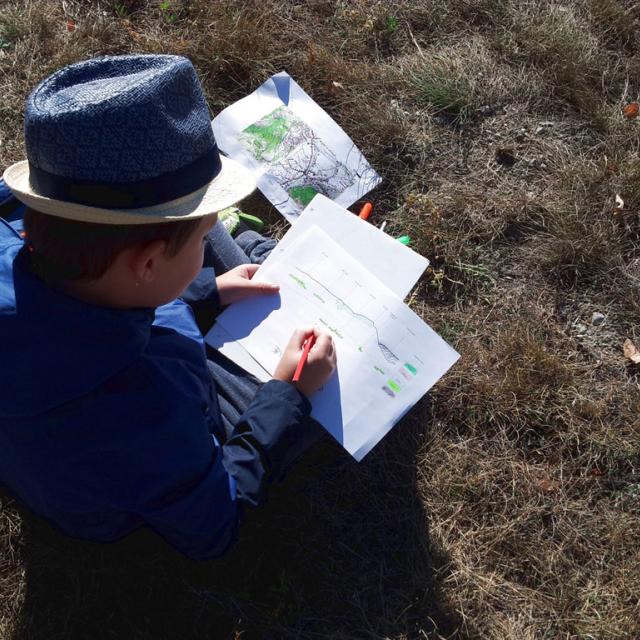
(324, 345)
(263, 287)
(257, 287)
(299, 337)
(251, 269)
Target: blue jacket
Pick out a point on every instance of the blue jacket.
(107, 417)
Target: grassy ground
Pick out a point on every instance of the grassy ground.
(507, 504)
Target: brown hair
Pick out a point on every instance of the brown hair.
(62, 249)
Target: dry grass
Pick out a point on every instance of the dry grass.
(507, 504)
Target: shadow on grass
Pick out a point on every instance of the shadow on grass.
(341, 550)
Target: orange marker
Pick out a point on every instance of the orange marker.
(365, 212)
(303, 358)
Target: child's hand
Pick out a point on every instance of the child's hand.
(320, 365)
(237, 284)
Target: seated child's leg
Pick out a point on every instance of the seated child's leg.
(235, 388)
(222, 252)
(255, 246)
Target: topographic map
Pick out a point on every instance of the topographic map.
(301, 163)
(292, 147)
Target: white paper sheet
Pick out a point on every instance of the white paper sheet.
(397, 266)
(388, 358)
(394, 264)
(294, 148)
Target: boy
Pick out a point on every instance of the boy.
(110, 418)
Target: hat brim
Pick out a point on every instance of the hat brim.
(233, 183)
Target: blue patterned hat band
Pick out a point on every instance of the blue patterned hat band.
(120, 132)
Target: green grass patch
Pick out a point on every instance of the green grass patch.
(442, 87)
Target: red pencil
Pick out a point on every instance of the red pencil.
(303, 358)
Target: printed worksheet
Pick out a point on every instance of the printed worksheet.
(371, 247)
(388, 358)
(293, 147)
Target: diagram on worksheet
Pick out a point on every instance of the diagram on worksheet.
(363, 326)
(387, 356)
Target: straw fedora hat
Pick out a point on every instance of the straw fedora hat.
(124, 140)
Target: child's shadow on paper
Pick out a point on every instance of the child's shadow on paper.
(341, 549)
(248, 314)
(327, 401)
(327, 407)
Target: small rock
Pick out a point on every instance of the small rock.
(580, 328)
(536, 163)
(597, 318)
(542, 126)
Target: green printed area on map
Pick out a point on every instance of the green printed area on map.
(265, 136)
(317, 295)
(378, 369)
(411, 368)
(303, 195)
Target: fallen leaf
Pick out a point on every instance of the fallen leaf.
(631, 110)
(336, 88)
(547, 485)
(135, 36)
(619, 202)
(311, 54)
(71, 24)
(631, 351)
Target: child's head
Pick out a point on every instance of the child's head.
(121, 166)
(131, 258)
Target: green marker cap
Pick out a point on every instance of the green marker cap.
(404, 239)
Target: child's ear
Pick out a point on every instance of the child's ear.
(145, 260)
